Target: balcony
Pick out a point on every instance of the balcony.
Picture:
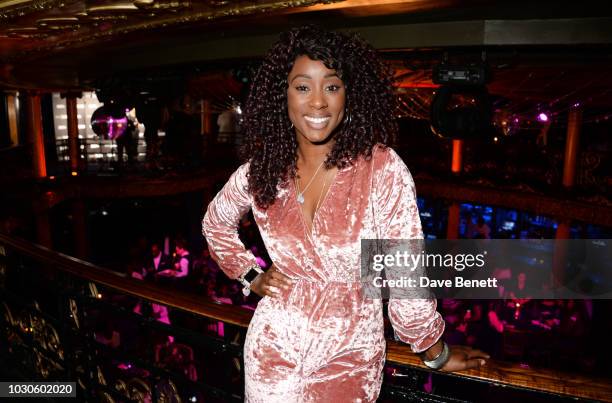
(121, 339)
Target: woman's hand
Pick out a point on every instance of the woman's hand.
(271, 282)
(464, 357)
(461, 357)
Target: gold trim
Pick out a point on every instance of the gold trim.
(139, 15)
(124, 7)
(59, 23)
(18, 8)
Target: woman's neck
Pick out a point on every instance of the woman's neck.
(312, 155)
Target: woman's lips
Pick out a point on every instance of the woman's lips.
(317, 122)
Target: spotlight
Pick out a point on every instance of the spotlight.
(461, 112)
(471, 74)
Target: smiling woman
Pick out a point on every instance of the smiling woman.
(319, 179)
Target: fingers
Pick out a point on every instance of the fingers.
(474, 363)
(274, 281)
(280, 280)
(473, 353)
(271, 291)
(464, 357)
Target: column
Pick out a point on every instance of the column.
(560, 252)
(205, 118)
(11, 108)
(457, 161)
(452, 228)
(35, 134)
(74, 150)
(574, 121)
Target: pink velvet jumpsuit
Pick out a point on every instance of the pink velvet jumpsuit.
(323, 341)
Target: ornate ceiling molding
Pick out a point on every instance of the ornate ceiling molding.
(49, 25)
(19, 8)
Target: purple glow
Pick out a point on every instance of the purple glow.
(108, 123)
(542, 117)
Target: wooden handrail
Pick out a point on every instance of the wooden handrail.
(511, 374)
(495, 372)
(163, 295)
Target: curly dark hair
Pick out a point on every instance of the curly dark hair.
(271, 145)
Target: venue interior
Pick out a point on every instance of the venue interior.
(120, 120)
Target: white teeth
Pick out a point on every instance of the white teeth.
(316, 120)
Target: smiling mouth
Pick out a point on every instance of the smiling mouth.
(317, 121)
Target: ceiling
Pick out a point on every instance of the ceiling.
(68, 44)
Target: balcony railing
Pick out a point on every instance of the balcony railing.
(121, 339)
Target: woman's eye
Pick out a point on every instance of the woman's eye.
(333, 88)
(301, 88)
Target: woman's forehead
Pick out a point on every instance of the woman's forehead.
(305, 66)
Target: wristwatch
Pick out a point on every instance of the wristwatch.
(247, 278)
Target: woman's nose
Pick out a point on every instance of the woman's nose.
(318, 100)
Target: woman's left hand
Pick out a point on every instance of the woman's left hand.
(464, 357)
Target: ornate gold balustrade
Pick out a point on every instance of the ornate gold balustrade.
(52, 331)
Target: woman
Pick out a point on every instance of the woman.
(319, 179)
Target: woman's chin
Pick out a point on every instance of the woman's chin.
(318, 137)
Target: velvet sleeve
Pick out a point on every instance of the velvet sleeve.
(220, 225)
(415, 321)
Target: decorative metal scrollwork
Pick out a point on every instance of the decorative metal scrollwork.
(134, 389)
(44, 366)
(74, 312)
(167, 392)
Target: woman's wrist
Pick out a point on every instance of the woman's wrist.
(248, 277)
(432, 352)
(436, 360)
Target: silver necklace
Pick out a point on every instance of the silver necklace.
(300, 194)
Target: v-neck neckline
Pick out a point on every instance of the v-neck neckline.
(309, 231)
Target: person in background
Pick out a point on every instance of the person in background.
(157, 261)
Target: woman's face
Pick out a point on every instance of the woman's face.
(315, 100)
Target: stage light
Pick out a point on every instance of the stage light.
(542, 117)
(455, 116)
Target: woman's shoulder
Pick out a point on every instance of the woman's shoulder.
(383, 156)
(243, 170)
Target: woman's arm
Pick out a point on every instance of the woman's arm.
(415, 320)
(220, 225)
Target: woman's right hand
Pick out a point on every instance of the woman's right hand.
(271, 282)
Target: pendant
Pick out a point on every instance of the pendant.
(300, 198)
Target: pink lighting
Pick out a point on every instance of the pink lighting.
(542, 117)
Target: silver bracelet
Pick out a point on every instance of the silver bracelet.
(246, 290)
(440, 360)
